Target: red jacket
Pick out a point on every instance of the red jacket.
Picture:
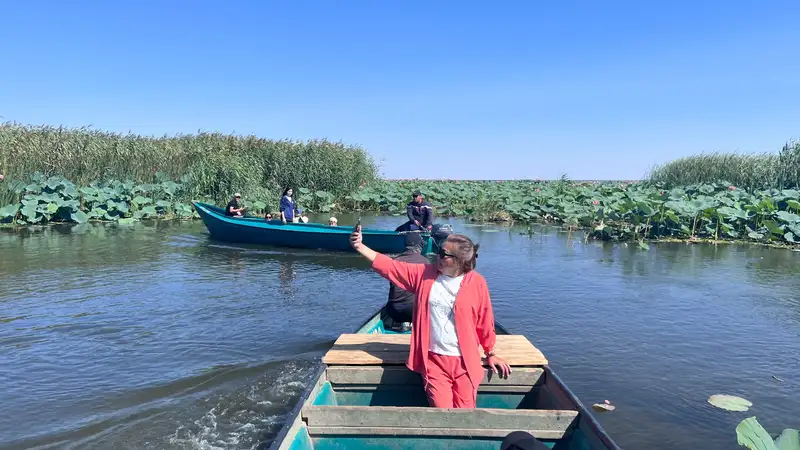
(472, 311)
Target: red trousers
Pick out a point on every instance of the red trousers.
(447, 384)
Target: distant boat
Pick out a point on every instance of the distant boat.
(314, 236)
(363, 397)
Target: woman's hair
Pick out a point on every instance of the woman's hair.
(285, 191)
(466, 251)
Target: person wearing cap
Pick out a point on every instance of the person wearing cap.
(399, 310)
(233, 209)
(419, 212)
(333, 221)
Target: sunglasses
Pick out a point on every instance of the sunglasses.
(443, 253)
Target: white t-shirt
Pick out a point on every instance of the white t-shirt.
(444, 339)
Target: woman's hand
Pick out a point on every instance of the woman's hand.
(498, 366)
(355, 239)
(355, 242)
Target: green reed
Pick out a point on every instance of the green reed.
(748, 171)
(216, 164)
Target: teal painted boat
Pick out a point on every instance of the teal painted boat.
(364, 397)
(314, 236)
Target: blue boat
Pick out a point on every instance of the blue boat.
(364, 397)
(314, 236)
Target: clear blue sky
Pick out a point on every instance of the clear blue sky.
(449, 89)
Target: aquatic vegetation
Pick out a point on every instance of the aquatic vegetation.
(729, 402)
(218, 164)
(748, 171)
(750, 434)
(55, 199)
(617, 211)
(614, 211)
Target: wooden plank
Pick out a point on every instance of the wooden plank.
(415, 417)
(434, 432)
(349, 375)
(373, 349)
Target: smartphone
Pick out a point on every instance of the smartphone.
(357, 225)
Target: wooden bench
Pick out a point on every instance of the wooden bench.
(415, 421)
(392, 349)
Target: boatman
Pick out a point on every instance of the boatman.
(233, 209)
(399, 310)
(420, 214)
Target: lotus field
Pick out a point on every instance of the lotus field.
(55, 199)
(609, 210)
(617, 211)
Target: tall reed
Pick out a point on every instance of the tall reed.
(748, 171)
(217, 164)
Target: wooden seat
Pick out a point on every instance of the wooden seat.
(387, 349)
(450, 422)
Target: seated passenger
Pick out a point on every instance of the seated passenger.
(399, 310)
(333, 222)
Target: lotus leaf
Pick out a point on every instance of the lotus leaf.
(150, 211)
(170, 188)
(788, 217)
(8, 212)
(79, 217)
(29, 211)
(52, 208)
(750, 434)
(163, 204)
(139, 200)
(729, 402)
(54, 183)
(126, 221)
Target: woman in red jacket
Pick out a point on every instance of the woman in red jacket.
(452, 318)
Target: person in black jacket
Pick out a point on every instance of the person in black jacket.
(420, 214)
(399, 309)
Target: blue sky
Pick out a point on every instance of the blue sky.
(445, 89)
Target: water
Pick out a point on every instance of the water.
(154, 336)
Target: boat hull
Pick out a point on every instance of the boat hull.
(252, 230)
(397, 388)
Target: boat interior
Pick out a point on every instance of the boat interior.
(365, 398)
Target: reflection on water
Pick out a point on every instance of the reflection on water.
(154, 336)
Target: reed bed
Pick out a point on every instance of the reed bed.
(213, 164)
(748, 171)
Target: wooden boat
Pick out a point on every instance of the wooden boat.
(364, 397)
(315, 236)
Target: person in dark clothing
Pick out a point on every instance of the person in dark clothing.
(288, 207)
(521, 440)
(399, 308)
(233, 209)
(420, 214)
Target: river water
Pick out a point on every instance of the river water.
(154, 336)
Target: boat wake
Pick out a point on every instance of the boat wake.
(248, 417)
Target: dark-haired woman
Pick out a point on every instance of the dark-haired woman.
(288, 206)
(452, 317)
